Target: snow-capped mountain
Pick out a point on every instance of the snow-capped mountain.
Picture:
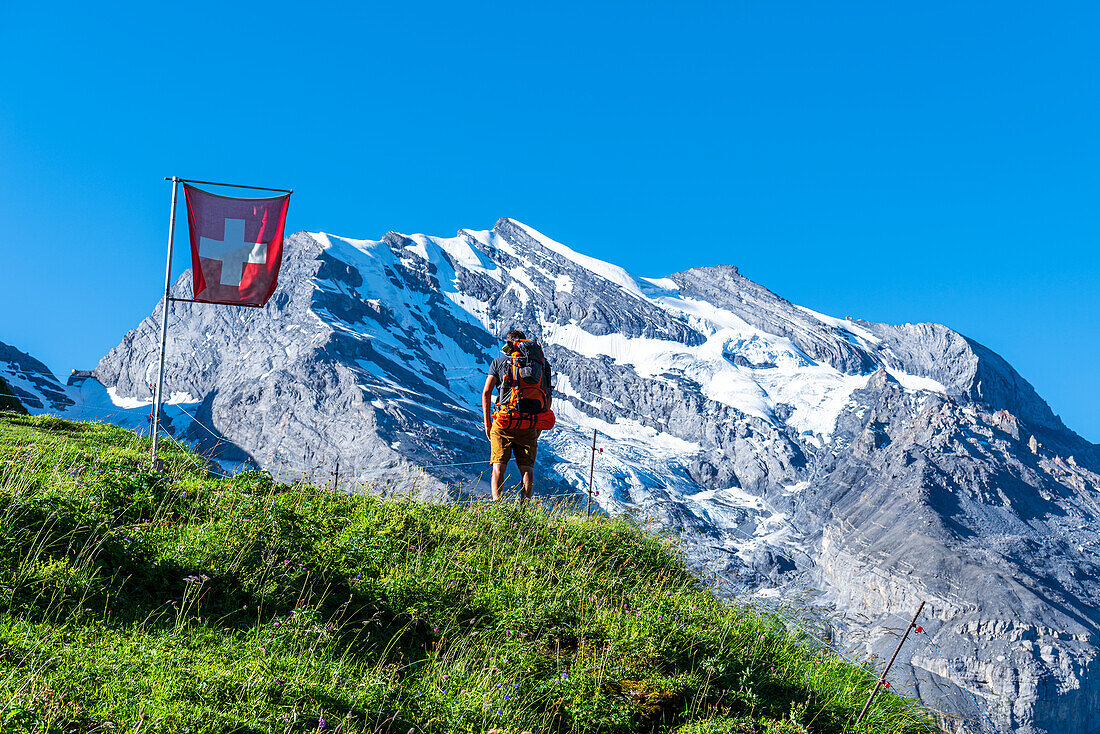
(31, 382)
(871, 466)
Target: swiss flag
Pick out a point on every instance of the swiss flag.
(236, 246)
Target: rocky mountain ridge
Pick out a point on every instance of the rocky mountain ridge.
(865, 465)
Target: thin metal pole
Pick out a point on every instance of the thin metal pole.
(164, 321)
(591, 471)
(882, 678)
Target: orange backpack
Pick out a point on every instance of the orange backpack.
(529, 390)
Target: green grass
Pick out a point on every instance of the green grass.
(173, 601)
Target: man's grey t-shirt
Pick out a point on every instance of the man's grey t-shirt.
(501, 368)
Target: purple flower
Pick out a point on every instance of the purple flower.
(321, 721)
(565, 676)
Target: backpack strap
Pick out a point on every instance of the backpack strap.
(511, 380)
(514, 397)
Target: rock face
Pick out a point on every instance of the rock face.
(8, 402)
(31, 382)
(859, 467)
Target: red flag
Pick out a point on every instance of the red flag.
(236, 246)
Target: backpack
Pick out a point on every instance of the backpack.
(529, 389)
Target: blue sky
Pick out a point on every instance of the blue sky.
(938, 162)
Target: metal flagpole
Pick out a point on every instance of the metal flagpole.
(164, 321)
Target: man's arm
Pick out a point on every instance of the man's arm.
(486, 398)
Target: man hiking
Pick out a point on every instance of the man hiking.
(523, 409)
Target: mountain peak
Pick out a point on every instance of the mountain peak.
(875, 451)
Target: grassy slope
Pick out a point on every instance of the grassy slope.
(175, 601)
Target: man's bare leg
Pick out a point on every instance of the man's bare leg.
(497, 480)
(528, 488)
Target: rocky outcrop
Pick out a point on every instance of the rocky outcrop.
(8, 402)
(31, 382)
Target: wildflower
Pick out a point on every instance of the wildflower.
(276, 624)
(565, 676)
(507, 698)
(446, 677)
(321, 721)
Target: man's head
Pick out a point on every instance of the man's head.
(511, 339)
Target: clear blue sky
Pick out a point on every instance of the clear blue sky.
(937, 162)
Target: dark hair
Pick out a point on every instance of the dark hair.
(515, 334)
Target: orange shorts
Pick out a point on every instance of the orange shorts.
(524, 442)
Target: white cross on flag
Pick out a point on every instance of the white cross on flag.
(236, 246)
